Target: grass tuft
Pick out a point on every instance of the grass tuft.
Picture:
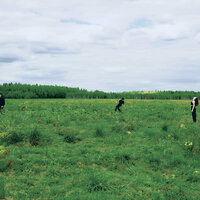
(99, 132)
(35, 137)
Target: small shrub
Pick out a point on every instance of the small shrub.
(35, 137)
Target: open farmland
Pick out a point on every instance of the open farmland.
(83, 150)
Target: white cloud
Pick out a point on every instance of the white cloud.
(114, 45)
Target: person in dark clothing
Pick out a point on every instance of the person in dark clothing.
(2, 102)
(121, 101)
(194, 103)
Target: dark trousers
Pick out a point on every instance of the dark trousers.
(194, 116)
(117, 108)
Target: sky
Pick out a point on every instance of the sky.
(107, 45)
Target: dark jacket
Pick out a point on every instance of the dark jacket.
(121, 102)
(2, 101)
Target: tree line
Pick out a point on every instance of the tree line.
(27, 91)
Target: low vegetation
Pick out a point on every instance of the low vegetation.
(84, 150)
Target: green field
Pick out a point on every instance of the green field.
(83, 150)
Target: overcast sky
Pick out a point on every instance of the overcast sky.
(109, 45)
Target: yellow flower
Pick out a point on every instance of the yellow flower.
(196, 172)
(129, 132)
(1, 147)
(173, 175)
(182, 125)
(188, 143)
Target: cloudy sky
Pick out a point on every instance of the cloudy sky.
(109, 45)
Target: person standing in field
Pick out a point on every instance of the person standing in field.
(194, 103)
(121, 101)
(2, 102)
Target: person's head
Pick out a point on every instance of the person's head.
(1, 95)
(196, 100)
(123, 98)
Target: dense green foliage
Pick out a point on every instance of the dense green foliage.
(83, 150)
(25, 91)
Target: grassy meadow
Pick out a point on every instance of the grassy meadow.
(84, 150)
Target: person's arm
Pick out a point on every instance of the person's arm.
(193, 105)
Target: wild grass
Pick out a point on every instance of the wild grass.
(83, 149)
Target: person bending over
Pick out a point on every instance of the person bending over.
(121, 101)
(194, 104)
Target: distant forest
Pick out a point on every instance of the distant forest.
(26, 91)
